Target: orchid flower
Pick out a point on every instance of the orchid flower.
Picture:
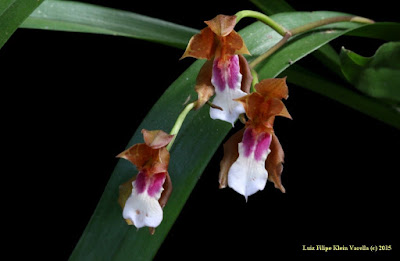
(252, 153)
(143, 197)
(226, 73)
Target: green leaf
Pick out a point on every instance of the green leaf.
(87, 18)
(377, 76)
(387, 31)
(107, 237)
(190, 154)
(12, 14)
(325, 54)
(302, 44)
(273, 6)
(373, 107)
(328, 56)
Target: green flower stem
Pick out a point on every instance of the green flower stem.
(312, 25)
(255, 80)
(178, 123)
(263, 18)
(286, 36)
(305, 28)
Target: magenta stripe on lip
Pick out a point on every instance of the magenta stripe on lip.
(263, 142)
(248, 141)
(226, 73)
(157, 180)
(140, 182)
(257, 143)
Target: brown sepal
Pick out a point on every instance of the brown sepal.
(273, 88)
(125, 190)
(205, 90)
(218, 39)
(144, 157)
(231, 154)
(201, 45)
(222, 25)
(247, 78)
(156, 139)
(166, 192)
(160, 162)
(230, 45)
(138, 154)
(274, 163)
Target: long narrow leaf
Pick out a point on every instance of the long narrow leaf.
(325, 54)
(304, 43)
(81, 17)
(270, 7)
(12, 14)
(107, 237)
(373, 107)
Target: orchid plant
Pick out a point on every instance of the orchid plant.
(226, 74)
(234, 84)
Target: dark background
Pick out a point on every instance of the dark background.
(74, 100)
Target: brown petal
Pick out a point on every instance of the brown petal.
(252, 104)
(156, 139)
(144, 157)
(267, 110)
(222, 25)
(246, 73)
(166, 192)
(231, 153)
(285, 113)
(274, 165)
(277, 108)
(273, 88)
(125, 191)
(138, 154)
(201, 45)
(205, 90)
(159, 163)
(233, 44)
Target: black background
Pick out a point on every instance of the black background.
(74, 100)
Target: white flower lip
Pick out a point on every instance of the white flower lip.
(227, 79)
(247, 175)
(142, 209)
